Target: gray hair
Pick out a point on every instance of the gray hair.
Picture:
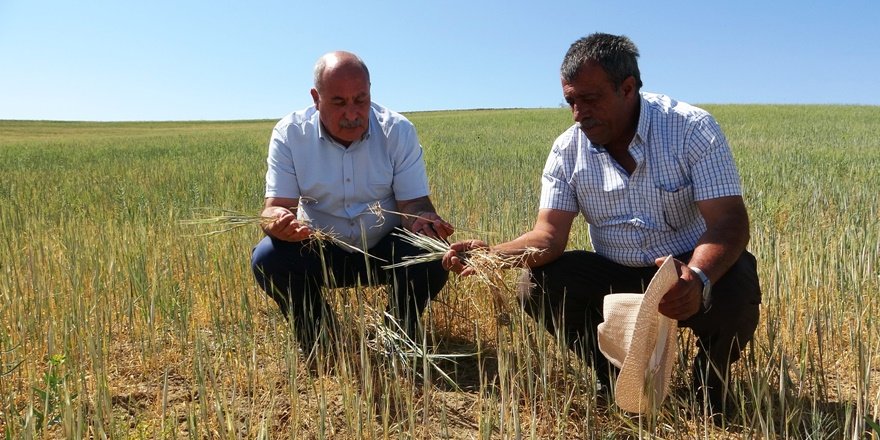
(344, 57)
(616, 54)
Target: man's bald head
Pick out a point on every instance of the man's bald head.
(342, 96)
(341, 62)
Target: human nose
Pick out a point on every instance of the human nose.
(579, 112)
(352, 111)
(576, 113)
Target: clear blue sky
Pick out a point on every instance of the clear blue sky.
(184, 60)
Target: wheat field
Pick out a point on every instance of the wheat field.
(117, 320)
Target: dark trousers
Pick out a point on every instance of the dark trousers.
(293, 274)
(567, 295)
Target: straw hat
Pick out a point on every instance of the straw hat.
(640, 341)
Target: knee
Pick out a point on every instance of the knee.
(741, 280)
(270, 259)
(738, 295)
(261, 256)
(264, 249)
(740, 317)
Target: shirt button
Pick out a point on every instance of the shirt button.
(348, 180)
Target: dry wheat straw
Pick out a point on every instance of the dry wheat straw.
(392, 341)
(377, 210)
(226, 221)
(489, 267)
(230, 220)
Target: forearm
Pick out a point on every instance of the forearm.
(537, 247)
(419, 216)
(414, 208)
(719, 248)
(545, 242)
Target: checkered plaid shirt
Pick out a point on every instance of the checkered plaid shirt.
(682, 157)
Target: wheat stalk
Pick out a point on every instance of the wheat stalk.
(394, 342)
(483, 260)
(230, 220)
(377, 210)
(489, 267)
(227, 221)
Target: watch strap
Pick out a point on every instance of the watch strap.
(707, 286)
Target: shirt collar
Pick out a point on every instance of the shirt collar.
(644, 120)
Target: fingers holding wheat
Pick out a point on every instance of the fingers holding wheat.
(284, 225)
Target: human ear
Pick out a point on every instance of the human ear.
(628, 86)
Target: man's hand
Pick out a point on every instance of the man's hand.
(419, 216)
(454, 258)
(684, 298)
(285, 226)
(430, 224)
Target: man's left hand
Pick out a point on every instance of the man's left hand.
(684, 298)
(432, 225)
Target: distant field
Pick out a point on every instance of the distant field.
(116, 320)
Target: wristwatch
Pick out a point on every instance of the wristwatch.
(707, 287)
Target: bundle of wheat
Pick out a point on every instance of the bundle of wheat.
(489, 267)
(229, 220)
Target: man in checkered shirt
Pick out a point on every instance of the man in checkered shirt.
(653, 177)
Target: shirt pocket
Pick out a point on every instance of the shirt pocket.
(379, 188)
(678, 206)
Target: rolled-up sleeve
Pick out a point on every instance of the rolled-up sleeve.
(410, 177)
(556, 189)
(281, 173)
(714, 171)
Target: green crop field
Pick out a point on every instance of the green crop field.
(118, 320)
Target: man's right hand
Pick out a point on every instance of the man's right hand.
(454, 259)
(285, 226)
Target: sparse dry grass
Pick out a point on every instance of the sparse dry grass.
(133, 328)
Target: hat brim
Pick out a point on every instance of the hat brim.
(644, 377)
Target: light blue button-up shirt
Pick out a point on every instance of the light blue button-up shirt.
(336, 185)
(681, 157)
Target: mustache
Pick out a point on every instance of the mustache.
(355, 123)
(585, 124)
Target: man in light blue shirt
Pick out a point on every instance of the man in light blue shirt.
(652, 177)
(329, 167)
